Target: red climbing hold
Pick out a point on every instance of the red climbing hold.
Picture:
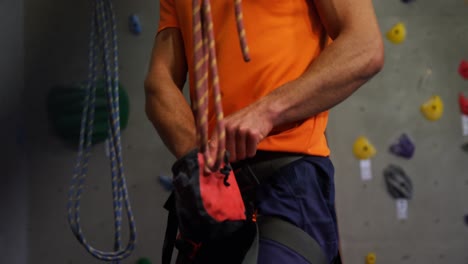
(463, 101)
(463, 69)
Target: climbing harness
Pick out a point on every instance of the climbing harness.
(102, 44)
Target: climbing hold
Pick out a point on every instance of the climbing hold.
(144, 261)
(463, 101)
(465, 147)
(371, 258)
(466, 219)
(399, 185)
(166, 183)
(433, 108)
(363, 149)
(403, 148)
(65, 106)
(463, 69)
(407, 1)
(134, 24)
(397, 34)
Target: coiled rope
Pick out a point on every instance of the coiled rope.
(204, 53)
(102, 45)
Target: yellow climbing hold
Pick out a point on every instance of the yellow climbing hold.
(433, 108)
(363, 149)
(370, 258)
(397, 34)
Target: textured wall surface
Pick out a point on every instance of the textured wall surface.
(56, 52)
(424, 65)
(13, 179)
(56, 36)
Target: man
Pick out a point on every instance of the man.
(306, 57)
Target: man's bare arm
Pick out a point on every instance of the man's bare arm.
(355, 55)
(166, 106)
(352, 59)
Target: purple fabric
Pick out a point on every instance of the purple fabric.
(303, 194)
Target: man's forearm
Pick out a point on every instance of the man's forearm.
(172, 117)
(340, 69)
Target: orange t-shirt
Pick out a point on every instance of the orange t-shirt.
(284, 37)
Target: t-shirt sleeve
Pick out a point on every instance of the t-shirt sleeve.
(167, 15)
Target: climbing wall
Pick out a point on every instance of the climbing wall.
(56, 37)
(431, 227)
(13, 178)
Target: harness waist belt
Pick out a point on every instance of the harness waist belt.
(264, 165)
(257, 170)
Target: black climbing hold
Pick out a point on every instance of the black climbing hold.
(399, 185)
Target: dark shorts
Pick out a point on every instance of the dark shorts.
(303, 193)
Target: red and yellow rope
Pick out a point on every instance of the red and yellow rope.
(205, 66)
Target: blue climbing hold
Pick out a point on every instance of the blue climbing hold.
(466, 219)
(134, 24)
(407, 1)
(404, 147)
(166, 183)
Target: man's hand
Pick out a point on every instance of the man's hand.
(353, 58)
(244, 130)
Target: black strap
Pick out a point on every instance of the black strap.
(171, 230)
(337, 259)
(252, 254)
(293, 237)
(265, 164)
(258, 170)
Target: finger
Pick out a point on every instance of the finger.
(211, 150)
(230, 143)
(240, 144)
(213, 146)
(251, 145)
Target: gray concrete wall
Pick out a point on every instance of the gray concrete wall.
(56, 49)
(56, 53)
(425, 64)
(13, 158)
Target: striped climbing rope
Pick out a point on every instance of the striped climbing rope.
(204, 54)
(102, 45)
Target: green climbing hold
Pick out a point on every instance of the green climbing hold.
(144, 261)
(465, 147)
(65, 106)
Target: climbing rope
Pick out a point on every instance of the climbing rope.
(102, 44)
(204, 53)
